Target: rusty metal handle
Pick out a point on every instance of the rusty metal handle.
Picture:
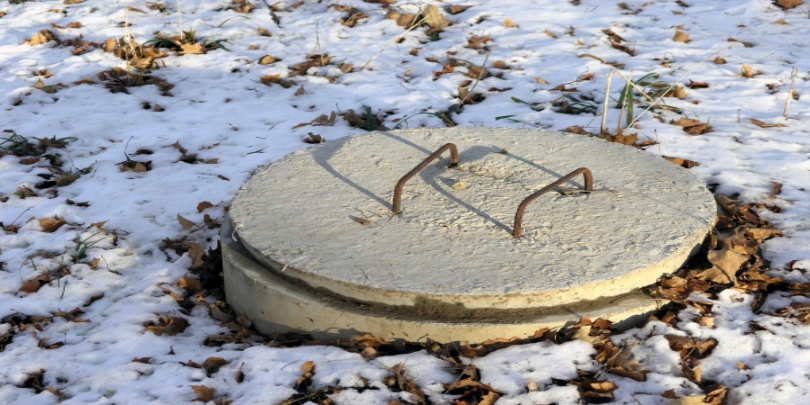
(401, 183)
(522, 208)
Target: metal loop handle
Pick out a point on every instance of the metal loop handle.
(522, 208)
(401, 183)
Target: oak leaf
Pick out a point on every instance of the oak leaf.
(50, 225)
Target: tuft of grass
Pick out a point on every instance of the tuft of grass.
(19, 145)
(627, 99)
(82, 246)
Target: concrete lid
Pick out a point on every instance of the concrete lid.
(452, 244)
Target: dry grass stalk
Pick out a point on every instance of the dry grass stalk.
(603, 128)
(790, 92)
(396, 38)
(477, 79)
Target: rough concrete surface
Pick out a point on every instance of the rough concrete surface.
(275, 305)
(453, 245)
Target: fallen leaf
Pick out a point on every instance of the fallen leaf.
(508, 23)
(314, 138)
(681, 36)
(727, 260)
(196, 254)
(540, 80)
(212, 364)
(718, 60)
(41, 37)
(477, 42)
(267, 60)
(789, 4)
(190, 285)
(747, 71)
(549, 33)
(276, 79)
(761, 234)
(73, 1)
(32, 286)
(204, 393)
(432, 16)
(186, 224)
(697, 85)
(308, 368)
(264, 32)
(167, 325)
(51, 224)
(204, 206)
(685, 163)
(323, 120)
(763, 124)
(456, 9)
(301, 91)
(191, 49)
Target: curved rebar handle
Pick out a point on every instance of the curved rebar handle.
(522, 208)
(401, 183)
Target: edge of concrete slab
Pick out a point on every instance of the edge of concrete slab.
(275, 305)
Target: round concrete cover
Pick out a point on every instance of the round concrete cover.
(452, 244)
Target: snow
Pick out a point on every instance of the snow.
(219, 109)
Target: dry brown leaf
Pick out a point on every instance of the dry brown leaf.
(456, 9)
(32, 286)
(267, 60)
(764, 124)
(41, 37)
(680, 36)
(73, 1)
(347, 67)
(204, 206)
(196, 254)
(191, 49)
(167, 325)
(271, 79)
(685, 163)
(727, 260)
(499, 64)
(204, 393)
(789, 4)
(434, 18)
(477, 42)
(323, 120)
(508, 23)
(212, 364)
(51, 224)
(301, 91)
(761, 234)
(308, 368)
(186, 224)
(489, 398)
(190, 285)
(718, 60)
(353, 19)
(540, 80)
(264, 32)
(697, 85)
(549, 33)
(747, 71)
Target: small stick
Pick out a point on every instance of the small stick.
(180, 19)
(790, 93)
(607, 98)
(477, 79)
(396, 38)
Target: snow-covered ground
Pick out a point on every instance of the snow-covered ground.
(96, 235)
